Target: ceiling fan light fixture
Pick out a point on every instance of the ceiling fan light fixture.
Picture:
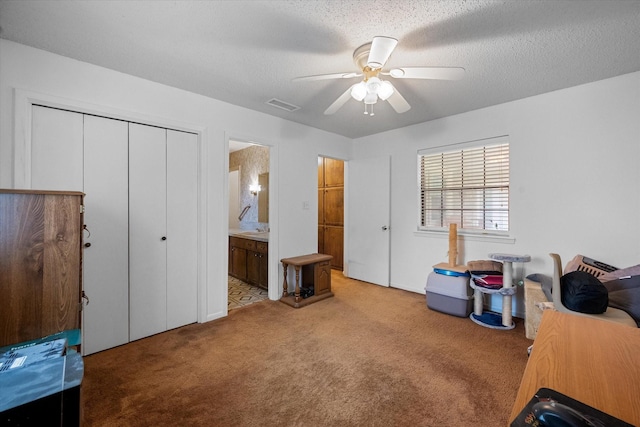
(359, 91)
(385, 90)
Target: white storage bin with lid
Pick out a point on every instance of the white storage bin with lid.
(449, 294)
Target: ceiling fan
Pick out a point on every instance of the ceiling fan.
(370, 58)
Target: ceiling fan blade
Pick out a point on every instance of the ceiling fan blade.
(381, 48)
(436, 73)
(327, 77)
(339, 102)
(398, 102)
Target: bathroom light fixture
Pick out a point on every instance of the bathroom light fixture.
(255, 189)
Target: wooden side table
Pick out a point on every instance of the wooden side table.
(316, 272)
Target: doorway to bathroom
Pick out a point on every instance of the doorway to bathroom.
(248, 223)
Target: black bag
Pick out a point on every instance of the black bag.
(581, 291)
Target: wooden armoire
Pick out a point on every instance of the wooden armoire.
(331, 210)
(40, 263)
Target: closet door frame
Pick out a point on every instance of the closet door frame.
(24, 100)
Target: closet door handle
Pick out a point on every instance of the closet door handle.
(163, 238)
(87, 245)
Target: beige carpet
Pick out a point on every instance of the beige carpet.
(370, 356)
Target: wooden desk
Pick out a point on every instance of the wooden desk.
(316, 272)
(593, 361)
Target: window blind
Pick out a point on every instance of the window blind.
(469, 187)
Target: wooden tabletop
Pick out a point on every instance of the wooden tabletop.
(596, 362)
(306, 259)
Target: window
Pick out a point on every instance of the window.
(468, 186)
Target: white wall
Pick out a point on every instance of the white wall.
(296, 148)
(574, 161)
(575, 179)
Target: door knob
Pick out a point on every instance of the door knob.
(385, 228)
(86, 245)
(163, 238)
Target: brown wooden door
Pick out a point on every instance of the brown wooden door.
(40, 264)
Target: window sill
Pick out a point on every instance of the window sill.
(469, 237)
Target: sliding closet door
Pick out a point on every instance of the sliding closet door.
(182, 228)
(56, 149)
(147, 231)
(106, 256)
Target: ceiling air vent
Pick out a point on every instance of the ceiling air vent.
(282, 105)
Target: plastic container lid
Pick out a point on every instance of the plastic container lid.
(450, 286)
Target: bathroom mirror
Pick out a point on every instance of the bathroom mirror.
(263, 198)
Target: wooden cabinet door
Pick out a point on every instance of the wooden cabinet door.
(334, 206)
(321, 239)
(320, 206)
(253, 267)
(333, 172)
(333, 245)
(238, 262)
(264, 271)
(40, 262)
(322, 277)
(321, 172)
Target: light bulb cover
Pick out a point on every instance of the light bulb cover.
(373, 85)
(371, 98)
(385, 90)
(359, 91)
(255, 188)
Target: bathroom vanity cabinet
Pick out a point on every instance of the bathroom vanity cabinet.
(249, 261)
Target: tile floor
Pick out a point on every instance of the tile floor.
(241, 294)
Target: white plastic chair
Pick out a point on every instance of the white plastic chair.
(612, 314)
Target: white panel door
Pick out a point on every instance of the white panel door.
(105, 321)
(56, 149)
(182, 228)
(147, 231)
(369, 210)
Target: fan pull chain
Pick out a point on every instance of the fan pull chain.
(367, 112)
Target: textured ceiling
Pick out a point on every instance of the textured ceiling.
(248, 52)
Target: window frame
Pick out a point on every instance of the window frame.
(457, 147)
